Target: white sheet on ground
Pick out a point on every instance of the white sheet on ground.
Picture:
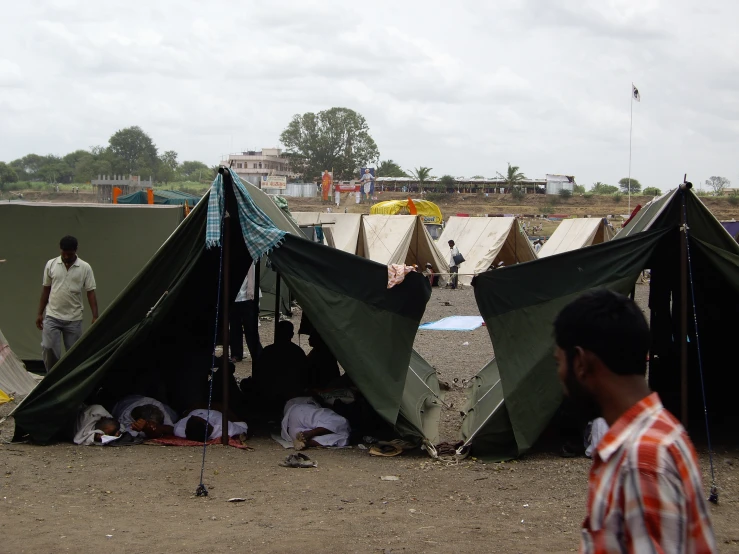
(84, 429)
(122, 411)
(454, 323)
(234, 427)
(304, 414)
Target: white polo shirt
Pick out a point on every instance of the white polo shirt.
(65, 300)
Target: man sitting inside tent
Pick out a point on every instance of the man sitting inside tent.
(141, 414)
(198, 423)
(93, 423)
(306, 423)
(278, 373)
(322, 368)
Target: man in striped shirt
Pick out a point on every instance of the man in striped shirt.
(645, 490)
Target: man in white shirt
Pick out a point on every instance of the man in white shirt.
(453, 267)
(242, 321)
(194, 426)
(64, 280)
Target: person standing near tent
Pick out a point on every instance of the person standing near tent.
(645, 488)
(64, 280)
(455, 258)
(367, 185)
(242, 321)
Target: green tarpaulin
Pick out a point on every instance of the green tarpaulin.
(512, 400)
(168, 314)
(116, 241)
(170, 197)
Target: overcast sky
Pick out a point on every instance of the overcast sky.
(462, 87)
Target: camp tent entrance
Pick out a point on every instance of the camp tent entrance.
(344, 228)
(166, 319)
(572, 234)
(513, 399)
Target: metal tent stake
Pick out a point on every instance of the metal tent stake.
(226, 302)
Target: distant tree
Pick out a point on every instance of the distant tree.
(565, 194)
(169, 158)
(513, 176)
(651, 191)
(447, 182)
(134, 151)
(718, 184)
(421, 174)
(635, 185)
(337, 138)
(194, 171)
(7, 175)
(578, 189)
(28, 167)
(602, 188)
(55, 170)
(388, 168)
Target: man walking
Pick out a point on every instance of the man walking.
(65, 278)
(453, 264)
(645, 491)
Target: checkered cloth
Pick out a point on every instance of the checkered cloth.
(260, 234)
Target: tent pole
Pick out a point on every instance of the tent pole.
(683, 319)
(226, 306)
(277, 303)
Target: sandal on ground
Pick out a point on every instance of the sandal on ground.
(298, 460)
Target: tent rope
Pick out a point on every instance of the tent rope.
(202, 490)
(429, 388)
(713, 497)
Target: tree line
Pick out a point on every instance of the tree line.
(129, 151)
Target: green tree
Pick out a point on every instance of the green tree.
(651, 191)
(194, 171)
(338, 138)
(602, 188)
(55, 170)
(421, 174)
(578, 189)
(635, 186)
(565, 194)
(134, 151)
(7, 175)
(513, 176)
(447, 182)
(169, 159)
(27, 168)
(718, 184)
(388, 168)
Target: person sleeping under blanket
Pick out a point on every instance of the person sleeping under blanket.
(307, 423)
(94, 425)
(198, 422)
(145, 415)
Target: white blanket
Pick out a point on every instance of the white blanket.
(84, 429)
(122, 411)
(235, 428)
(304, 414)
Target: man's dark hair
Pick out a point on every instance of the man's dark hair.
(609, 325)
(68, 243)
(105, 424)
(149, 412)
(285, 330)
(450, 242)
(196, 429)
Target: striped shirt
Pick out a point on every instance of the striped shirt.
(645, 489)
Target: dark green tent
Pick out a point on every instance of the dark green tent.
(117, 241)
(169, 197)
(168, 312)
(513, 399)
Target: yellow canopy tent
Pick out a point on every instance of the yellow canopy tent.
(4, 398)
(429, 211)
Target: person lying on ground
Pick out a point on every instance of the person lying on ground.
(198, 424)
(93, 423)
(306, 423)
(142, 414)
(322, 366)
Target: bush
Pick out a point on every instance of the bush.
(565, 194)
(434, 196)
(546, 210)
(617, 197)
(588, 195)
(651, 191)
(734, 199)
(517, 194)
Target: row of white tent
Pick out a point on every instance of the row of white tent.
(484, 242)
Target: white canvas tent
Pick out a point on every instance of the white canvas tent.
(399, 239)
(576, 233)
(344, 228)
(14, 379)
(486, 241)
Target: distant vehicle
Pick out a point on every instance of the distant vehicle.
(429, 211)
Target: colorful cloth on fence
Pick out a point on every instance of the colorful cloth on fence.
(396, 274)
(260, 234)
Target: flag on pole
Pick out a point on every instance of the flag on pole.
(635, 93)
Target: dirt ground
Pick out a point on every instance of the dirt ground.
(141, 499)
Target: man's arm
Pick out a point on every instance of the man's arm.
(93, 301)
(45, 292)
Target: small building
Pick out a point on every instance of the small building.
(104, 184)
(254, 165)
(558, 183)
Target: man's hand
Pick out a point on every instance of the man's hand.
(40, 323)
(139, 425)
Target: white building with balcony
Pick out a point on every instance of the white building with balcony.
(252, 165)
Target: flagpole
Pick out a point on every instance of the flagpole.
(631, 126)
